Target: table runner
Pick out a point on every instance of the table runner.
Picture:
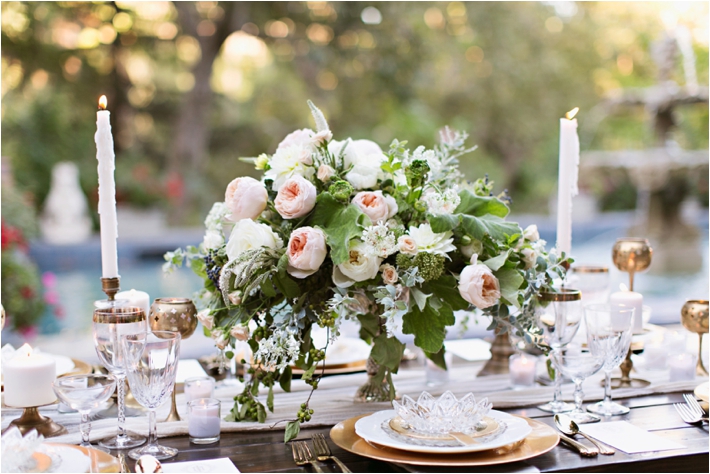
(333, 401)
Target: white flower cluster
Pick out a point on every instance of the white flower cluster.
(279, 350)
(442, 203)
(379, 241)
(214, 238)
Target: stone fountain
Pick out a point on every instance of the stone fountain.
(661, 174)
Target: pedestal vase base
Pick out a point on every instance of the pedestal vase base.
(32, 419)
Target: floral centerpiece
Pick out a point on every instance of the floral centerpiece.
(340, 230)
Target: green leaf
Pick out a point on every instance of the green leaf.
(292, 430)
(437, 358)
(206, 332)
(496, 262)
(229, 354)
(473, 205)
(283, 264)
(287, 286)
(429, 325)
(419, 297)
(387, 351)
(267, 289)
(341, 223)
(446, 288)
(285, 379)
(270, 399)
(260, 413)
(369, 325)
(510, 281)
(255, 389)
(496, 227)
(443, 222)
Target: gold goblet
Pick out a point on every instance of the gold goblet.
(632, 254)
(177, 315)
(694, 317)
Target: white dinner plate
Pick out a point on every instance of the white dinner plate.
(370, 429)
(64, 364)
(701, 391)
(66, 458)
(344, 350)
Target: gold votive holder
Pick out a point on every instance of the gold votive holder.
(32, 419)
(694, 317)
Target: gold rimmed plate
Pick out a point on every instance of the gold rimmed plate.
(541, 439)
(100, 461)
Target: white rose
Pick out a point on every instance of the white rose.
(205, 317)
(479, 286)
(529, 256)
(296, 198)
(365, 157)
(429, 241)
(306, 251)
(360, 266)
(325, 172)
(301, 138)
(389, 274)
(406, 244)
(322, 137)
(376, 205)
(245, 198)
(531, 233)
(213, 240)
(289, 161)
(247, 235)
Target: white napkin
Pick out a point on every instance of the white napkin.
(469, 349)
(208, 465)
(629, 438)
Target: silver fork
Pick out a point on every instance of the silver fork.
(686, 415)
(323, 451)
(302, 455)
(693, 404)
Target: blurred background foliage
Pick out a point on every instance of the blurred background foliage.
(192, 86)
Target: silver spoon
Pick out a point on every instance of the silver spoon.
(569, 427)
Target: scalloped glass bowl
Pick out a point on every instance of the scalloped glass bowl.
(444, 415)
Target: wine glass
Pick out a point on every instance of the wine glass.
(558, 316)
(151, 362)
(84, 393)
(609, 329)
(109, 324)
(578, 366)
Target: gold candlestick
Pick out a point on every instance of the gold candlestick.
(177, 315)
(32, 419)
(631, 254)
(694, 316)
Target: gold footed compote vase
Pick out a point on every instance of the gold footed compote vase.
(694, 317)
(632, 255)
(176, 315)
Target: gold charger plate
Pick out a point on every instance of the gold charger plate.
(100, 461)
(541, 440)
(701, 391)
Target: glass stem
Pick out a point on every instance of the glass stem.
(152, 429)
(558, 386)
(578, 395)
(85, 428)
(121, 401)
(607, 388)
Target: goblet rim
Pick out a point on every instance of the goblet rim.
(561, 295)
(66, 378)
(119, 315)
(607, 308)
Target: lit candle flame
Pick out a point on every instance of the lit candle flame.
(103, 102)
(570, 115)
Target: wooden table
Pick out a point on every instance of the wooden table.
(265, 451)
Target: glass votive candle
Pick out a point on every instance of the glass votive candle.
(655, 356)
(203, 420)
(435, 375)
(199, 387)
(682, 367)
(522, 370)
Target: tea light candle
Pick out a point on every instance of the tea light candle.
(682, 367)
(631, 299)
(655, 357)
(136, 298)
(522, 370)
(199, 387)
(203, 423)
(28, 378)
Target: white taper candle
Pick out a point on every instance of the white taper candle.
(107, 191)
(567, 181)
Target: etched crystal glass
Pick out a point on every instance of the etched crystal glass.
(446, 414)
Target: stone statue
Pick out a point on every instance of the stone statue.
(65, 217)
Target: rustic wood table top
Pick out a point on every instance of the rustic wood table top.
(265, 451)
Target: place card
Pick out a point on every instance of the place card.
(629, 438)
(208, 465)
(469, 349)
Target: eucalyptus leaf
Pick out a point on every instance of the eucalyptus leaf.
(292, 430)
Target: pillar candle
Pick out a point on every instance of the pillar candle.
(107, 191)
(631, 299)
(136, 298)
(28, 378)
(567, 180)
(522, 370)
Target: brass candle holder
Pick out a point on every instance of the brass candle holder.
(694, 317)
(177, 315)
(32, 419)
(632, 255)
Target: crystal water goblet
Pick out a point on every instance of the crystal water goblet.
(109, 324)
(578, 366)
(609, 329)
(558, 316)
(84, 393)
(151, 363)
